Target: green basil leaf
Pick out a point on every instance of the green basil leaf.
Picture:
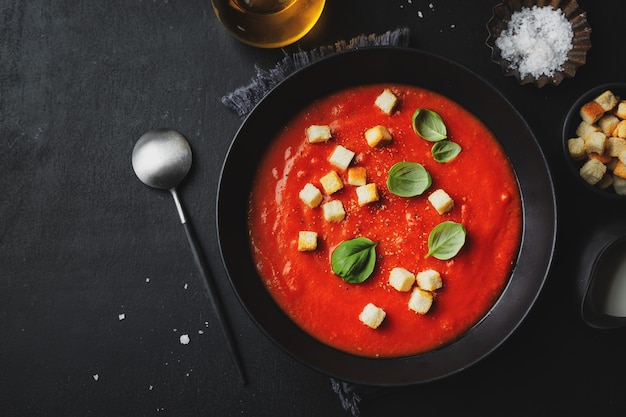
(429, 125)
(446, 240)
(354, 260)
(408, 179)
(445, 151)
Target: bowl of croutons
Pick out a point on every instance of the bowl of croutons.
(594, 139)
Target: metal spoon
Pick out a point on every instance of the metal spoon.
(162, 159)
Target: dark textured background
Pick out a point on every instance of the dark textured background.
(82, 240)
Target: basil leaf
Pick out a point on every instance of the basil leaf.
(354, 260)
(408, 179)
(446, 240)
(445, 151)
(429, 125)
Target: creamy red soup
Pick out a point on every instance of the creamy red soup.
(479, 180)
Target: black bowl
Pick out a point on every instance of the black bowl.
(391, 65)
(571, 122)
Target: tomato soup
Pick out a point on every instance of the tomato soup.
(479, 180)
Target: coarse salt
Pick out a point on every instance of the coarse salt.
(536, 41)
(184, 339)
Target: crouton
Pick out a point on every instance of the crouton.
(357, 176)
(366, 194)
(620, 111)
(341, 157)
(311, 195)
(590, 112)
(386, 101)
(318, 133)
(377, 136)
(576, 148)
(441, 201)
(620, 170)
(608, 123)
(621, 157)
(372, 316)
(592, 171)
(615, 145)
(605, 158)
(420, 301)
(584, 128)
(429, 280)
(401, 279)
(334, 211)
(595, 143)
(620, 130)
(331, 182)
(307, 241)
(606, 100)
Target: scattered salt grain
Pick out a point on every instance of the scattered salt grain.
(184, 339)
(95, 377)
(121, 316)
(536, 41)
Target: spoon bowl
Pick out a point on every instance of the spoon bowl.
(162, 158)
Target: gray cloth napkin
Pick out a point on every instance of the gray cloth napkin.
(243, 100)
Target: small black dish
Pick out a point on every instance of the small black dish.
(581, 42)
(603, 259)
(572, 120)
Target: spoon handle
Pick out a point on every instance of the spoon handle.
(208, 283)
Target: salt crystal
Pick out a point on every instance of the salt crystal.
(184, 339)
(121, 316)
(95, 377)
(536, 41)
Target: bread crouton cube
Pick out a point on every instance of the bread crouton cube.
(592, 171)
(357, 176)
(372, 316)
(591, 112)
(441, 201)
(621, 157)
(387, 101)
(331, 182)
(620, 170)
(318, 133)
(584, 128)
(608, 123)
(307, 241)
(620, 111)
(366, 194)
(576, 148)
(311, 195)
(620, 129)
(401, 279)
(619, 185)
(606, 100)
(429, 280)
(377, 136)
(595, 143)
(341, 157)
(420, 301)
(334, 211)
(615, 145)
(605, 158)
